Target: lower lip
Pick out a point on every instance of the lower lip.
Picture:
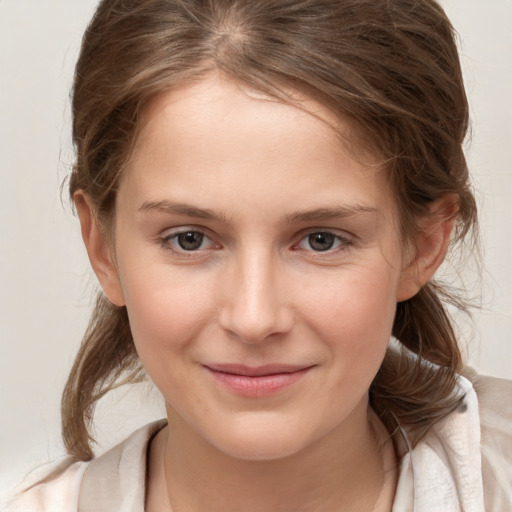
(260, 386)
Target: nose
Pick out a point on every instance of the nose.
(255, 306)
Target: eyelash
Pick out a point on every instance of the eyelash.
(167, 242)
(342, 242)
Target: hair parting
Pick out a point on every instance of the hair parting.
(389, 67)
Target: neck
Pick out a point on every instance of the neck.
(345, 470)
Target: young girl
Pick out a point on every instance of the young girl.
(266, 190)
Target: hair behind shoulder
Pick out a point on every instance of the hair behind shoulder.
(390, 67)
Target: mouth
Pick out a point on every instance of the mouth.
(258, 381)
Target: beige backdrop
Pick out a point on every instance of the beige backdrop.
(45, 283)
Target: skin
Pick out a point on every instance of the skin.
(257, 178)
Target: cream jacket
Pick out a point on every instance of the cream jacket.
(463, 464)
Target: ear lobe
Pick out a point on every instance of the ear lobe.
(98, 249)
(431, 246)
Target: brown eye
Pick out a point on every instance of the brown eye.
(321, 241)
(190, 240)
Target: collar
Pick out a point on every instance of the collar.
(116, 481)
(441, 474)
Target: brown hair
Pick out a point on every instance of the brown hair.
(389, 66)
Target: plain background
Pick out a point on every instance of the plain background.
(45, 282)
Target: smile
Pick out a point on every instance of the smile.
(256, 381)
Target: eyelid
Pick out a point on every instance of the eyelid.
(347, 240)
(165, 240)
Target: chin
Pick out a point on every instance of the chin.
(258, 439)
(262, 449)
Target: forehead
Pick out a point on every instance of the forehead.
(214, 93)
(218, 135)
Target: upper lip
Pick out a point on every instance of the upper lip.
(256, 371)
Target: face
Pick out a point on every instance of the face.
(260, 267)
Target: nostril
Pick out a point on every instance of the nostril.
(256, 326)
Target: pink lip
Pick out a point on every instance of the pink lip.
(256, 381)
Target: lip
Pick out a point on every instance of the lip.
(258, 381)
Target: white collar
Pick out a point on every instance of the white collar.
(441, 474)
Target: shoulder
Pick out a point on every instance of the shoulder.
(113, 481)
(117, 479)
(494, 396)
(52, 488)
(495, 409)
(466, 457)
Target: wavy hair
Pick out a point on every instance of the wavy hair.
(389, 67)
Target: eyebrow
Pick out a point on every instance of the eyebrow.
(170, 207)
(321, 214)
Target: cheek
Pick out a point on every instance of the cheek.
(167, 312)
(354, 316)
(356, 299)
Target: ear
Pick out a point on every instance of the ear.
(99, 249)
(431, 246)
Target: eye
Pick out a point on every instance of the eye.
(322, 241)
(188, 241)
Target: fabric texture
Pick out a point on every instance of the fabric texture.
(464, 463)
